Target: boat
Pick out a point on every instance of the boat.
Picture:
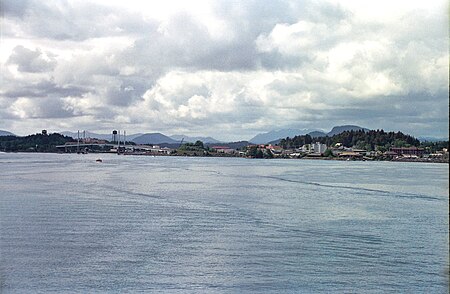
(98, 160)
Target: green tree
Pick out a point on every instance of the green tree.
(199, 144)
(259, 154)
(328, 153)
(268, 154)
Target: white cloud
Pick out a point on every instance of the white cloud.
(223, 68)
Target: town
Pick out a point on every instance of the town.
(348, 145)
(313, 150)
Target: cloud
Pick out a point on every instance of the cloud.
(222, 68)
(33, 61)
(25, 108)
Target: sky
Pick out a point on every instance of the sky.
(228, 69)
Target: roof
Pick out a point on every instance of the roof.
(350, 153)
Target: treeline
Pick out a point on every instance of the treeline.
(369, 140)
(33, 143)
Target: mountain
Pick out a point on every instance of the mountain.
(278, 134)
(194, 139)
(317, 134)
(153, 138)
(6, 133)
(432, 139)
(340, 129)
(233, 145)
(274, 137)
(98, 136)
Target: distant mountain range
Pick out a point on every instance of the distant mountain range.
(431, 139)
(340, 129)
(272, 137)
(6, 133)
(148, 138)
(264, 138)
(205, 140)
(153, 138)
(276, 136)
(97, 136)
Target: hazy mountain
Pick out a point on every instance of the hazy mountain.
(340, 129)
(194, 139)
(274, 137)
(233, 145)
(98, 136)
(6, 133)
(313, 134)
(278, 134)
(153, 138)
(317, 134)
(431, 139)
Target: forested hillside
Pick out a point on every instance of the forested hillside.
(368, 140)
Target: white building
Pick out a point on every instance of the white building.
(318, 148)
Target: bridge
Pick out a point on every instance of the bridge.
(83, 146)
(113, 147)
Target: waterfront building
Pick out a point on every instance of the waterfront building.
(318, 148)
(408, 151)
(223, 149)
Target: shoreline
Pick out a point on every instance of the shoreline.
(419, 160)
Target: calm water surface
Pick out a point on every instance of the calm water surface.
(190, 225)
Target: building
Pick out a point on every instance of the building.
(350, 154)
(306, 148)
(318, 148)
(223, 149)
(407, 151)
(275, 149)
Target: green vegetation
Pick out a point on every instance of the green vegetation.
(371, 140)
(432, 147)
(255, 152)
(33, 143)
(197, 146)
(328, 153)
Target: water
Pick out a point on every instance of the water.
(225, 225)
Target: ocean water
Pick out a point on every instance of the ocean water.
(221, 225)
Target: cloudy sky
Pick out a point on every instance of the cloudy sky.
(227, 69)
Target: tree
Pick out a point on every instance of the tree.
(328, 153)
(251, 152)
(259, 154)
(199, 144)
(269, 154)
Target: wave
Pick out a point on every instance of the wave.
(381, 192)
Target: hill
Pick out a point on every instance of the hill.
(340, 129)
(361, 139)
(188, 139)
(153, 138)
(273, 137)
(97, 136)
(232, 145)
(317, 134)
(432, 139)
(33, 143)
(6, 133)
(264, 138)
